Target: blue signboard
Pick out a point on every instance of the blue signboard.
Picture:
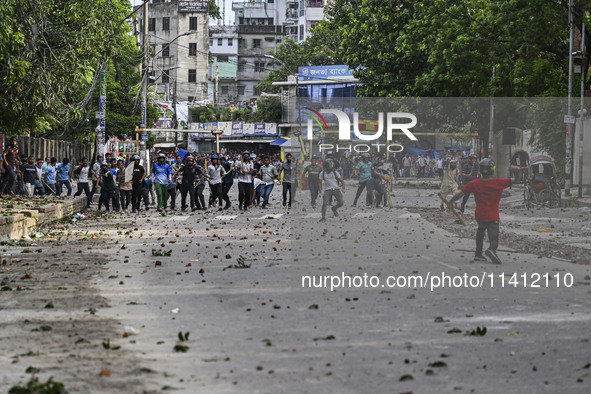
(317, 73)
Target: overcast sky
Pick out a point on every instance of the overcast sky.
(229, 15)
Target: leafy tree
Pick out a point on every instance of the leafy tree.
(49, 54)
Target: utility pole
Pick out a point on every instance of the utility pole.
(581, 130)
(145, 74)
(569, 117)
(217, 81)
(175, 119)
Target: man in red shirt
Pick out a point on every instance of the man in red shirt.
(488, 191)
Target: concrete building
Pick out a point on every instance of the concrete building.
(178, 34)
(223, 69)
(262, 26)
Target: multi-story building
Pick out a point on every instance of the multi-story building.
(178, 35)
(262, 26)
(223, 68)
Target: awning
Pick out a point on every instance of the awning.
(286, 142)
(247, 141)
(165, 145)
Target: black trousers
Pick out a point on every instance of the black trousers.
(124, 198)
(359, 191)
(225, 190)
(493, 236)
(190, 190)
(136, 196)
(83, 186)
(245, 194)
(215, 194)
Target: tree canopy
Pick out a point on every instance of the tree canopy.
(50, 55)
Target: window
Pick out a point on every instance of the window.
(211, 42)
(259, 67)
(256, 91)
(151, 24)
(241, 43)
(230, 42)
(166, 23)
(301, 32)
(224, 90)
(269, 39)
(166, 50)
(222, 59)
(191, 99)
(240, 90)
(256, 43)
(192, 23)
(192, 75)
(270, 1)
(192, 49)
(241, 67)
(165, 78)
(220, 42)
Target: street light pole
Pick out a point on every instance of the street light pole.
(569, 122)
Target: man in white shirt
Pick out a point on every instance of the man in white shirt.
(332, 183)
(215, 172)
(268, 175)
(245, 170)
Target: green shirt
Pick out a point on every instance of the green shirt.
(313, 172)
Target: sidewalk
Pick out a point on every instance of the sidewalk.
(21, 215)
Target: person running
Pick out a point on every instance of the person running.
(214, 173)
(227, 180)
(63, 176)
(245, 170)
(50, 175)
(82, 172)
(268, 173)
(96, 169)
(125, 185)
(108, 188)
(364, 169)
(161, 176)
(469, 173)
(137, 184)
(28, 176)
(290, 179)
(313, 171)
(488, 192)
(449, 186)
(187, 172)
(332, 182)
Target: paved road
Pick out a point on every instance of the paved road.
(257, 329)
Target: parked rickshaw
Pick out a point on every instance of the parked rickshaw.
(520, 158)
(542, 187)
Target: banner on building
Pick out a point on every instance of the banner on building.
(193, 6)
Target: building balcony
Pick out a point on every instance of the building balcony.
(255, 29)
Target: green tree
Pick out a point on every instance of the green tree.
(49, 56)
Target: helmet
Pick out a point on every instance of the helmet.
(487, 167)
(365, 155)
(254, 156)
(329, 153)
(136, 157)
(214, 157)
(161, 155)
(473, 156)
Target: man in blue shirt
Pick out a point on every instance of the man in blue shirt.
(365, 170)
(50, 174)
(63, 176)
(162, 176)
